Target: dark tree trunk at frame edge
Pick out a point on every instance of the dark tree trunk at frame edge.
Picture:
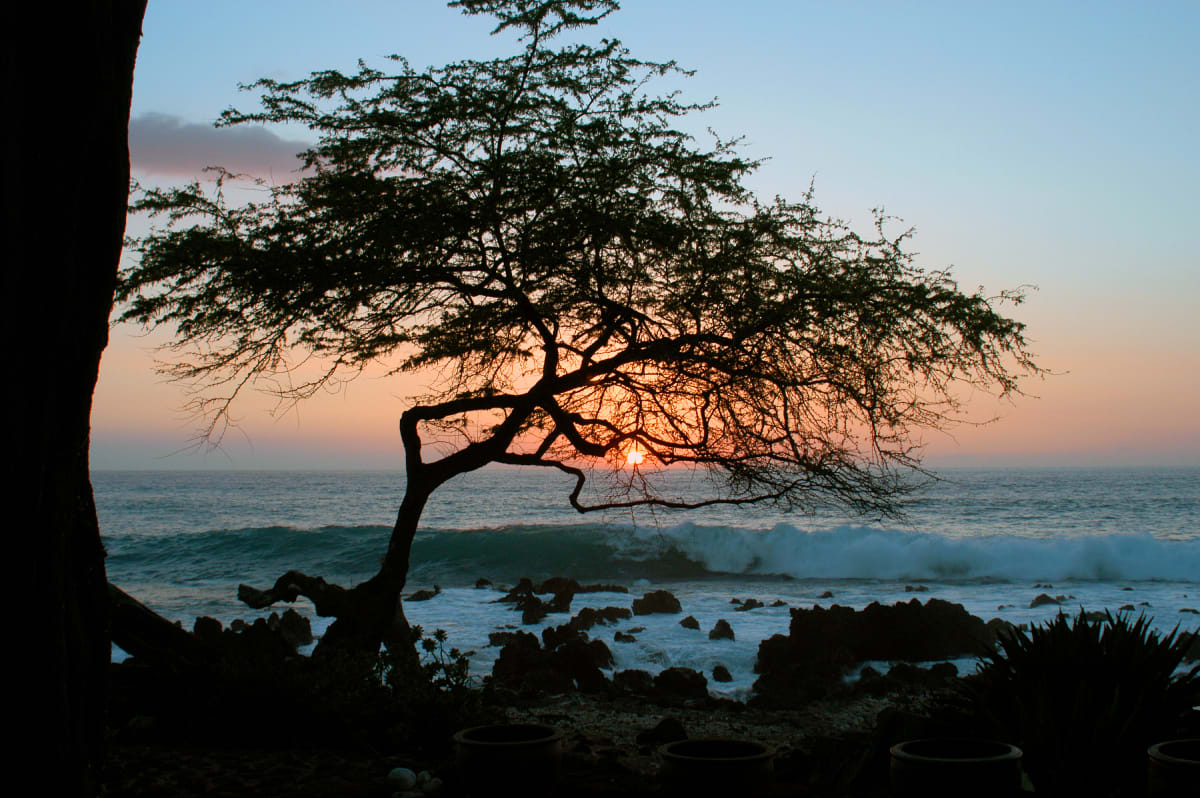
(68, 75)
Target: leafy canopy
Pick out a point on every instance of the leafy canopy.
(586, 278)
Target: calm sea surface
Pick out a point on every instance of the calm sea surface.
(987, 538)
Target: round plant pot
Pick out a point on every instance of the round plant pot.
(716, 766)
(952, 766)
(497, 757)
(1173, 767)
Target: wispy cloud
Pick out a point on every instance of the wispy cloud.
(162, 144)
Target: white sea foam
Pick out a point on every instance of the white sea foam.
(870, 553)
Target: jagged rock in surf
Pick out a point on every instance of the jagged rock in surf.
(425, 595)
(721, 631)
(681, 683)
(656, 601)
(822, 643)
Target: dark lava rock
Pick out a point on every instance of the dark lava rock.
(915, 589)
(523, 589)
(502, 638)
(721, 631)
(826, 594)
(1126, 608)
(293, 627)
(588, 617)
(524, 665)
(656, 601)
(600, 654)
(779, 603)
(749, 604)
(908, 673)
(821, 643)
(555, 636)
(681, 683)
(621, 637)
(532, 608)
(561, 602)
(481, 583)
(1193, 651)
(904, 675)
(271, 639)
(582, 663)
(634, 680)
(668, 730)
(1043, 599)
(999, 626)
(424, 595)
(603, 589)
(558, 584)
(519, 657)
(721, 674)
(690, 622)
(1189, 610)
(207, 629)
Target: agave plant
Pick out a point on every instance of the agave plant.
(1084, 698)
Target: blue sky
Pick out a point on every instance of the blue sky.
(1050, 144)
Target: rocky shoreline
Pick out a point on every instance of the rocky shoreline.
(184, 733)
(235, 711)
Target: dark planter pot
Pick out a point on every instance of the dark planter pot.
(1174, 767)
(951, 766)
(492, 759)
(716, 766)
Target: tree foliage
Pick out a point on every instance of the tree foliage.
(586, 277)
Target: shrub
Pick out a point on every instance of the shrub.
(1083, 699)
(433, 695)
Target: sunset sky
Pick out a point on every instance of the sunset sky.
(1045, 144)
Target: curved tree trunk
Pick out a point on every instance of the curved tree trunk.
(370, 613)
(68, 75)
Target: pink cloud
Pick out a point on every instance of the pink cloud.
(162, 144)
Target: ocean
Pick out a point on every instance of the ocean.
(989, 539)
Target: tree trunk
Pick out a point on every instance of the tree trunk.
(371, 613)
(143, 633)
(378, 616)
(68, 75)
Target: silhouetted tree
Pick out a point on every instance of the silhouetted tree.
(68, 75)
(588, 279)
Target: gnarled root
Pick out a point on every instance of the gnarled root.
(329, 600)
(366, 615)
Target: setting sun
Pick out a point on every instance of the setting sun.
(635, 457)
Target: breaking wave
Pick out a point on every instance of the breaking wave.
(680, 552)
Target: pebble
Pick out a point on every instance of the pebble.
(402, 778)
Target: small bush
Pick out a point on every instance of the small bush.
(1083, 699)
(432, 694)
